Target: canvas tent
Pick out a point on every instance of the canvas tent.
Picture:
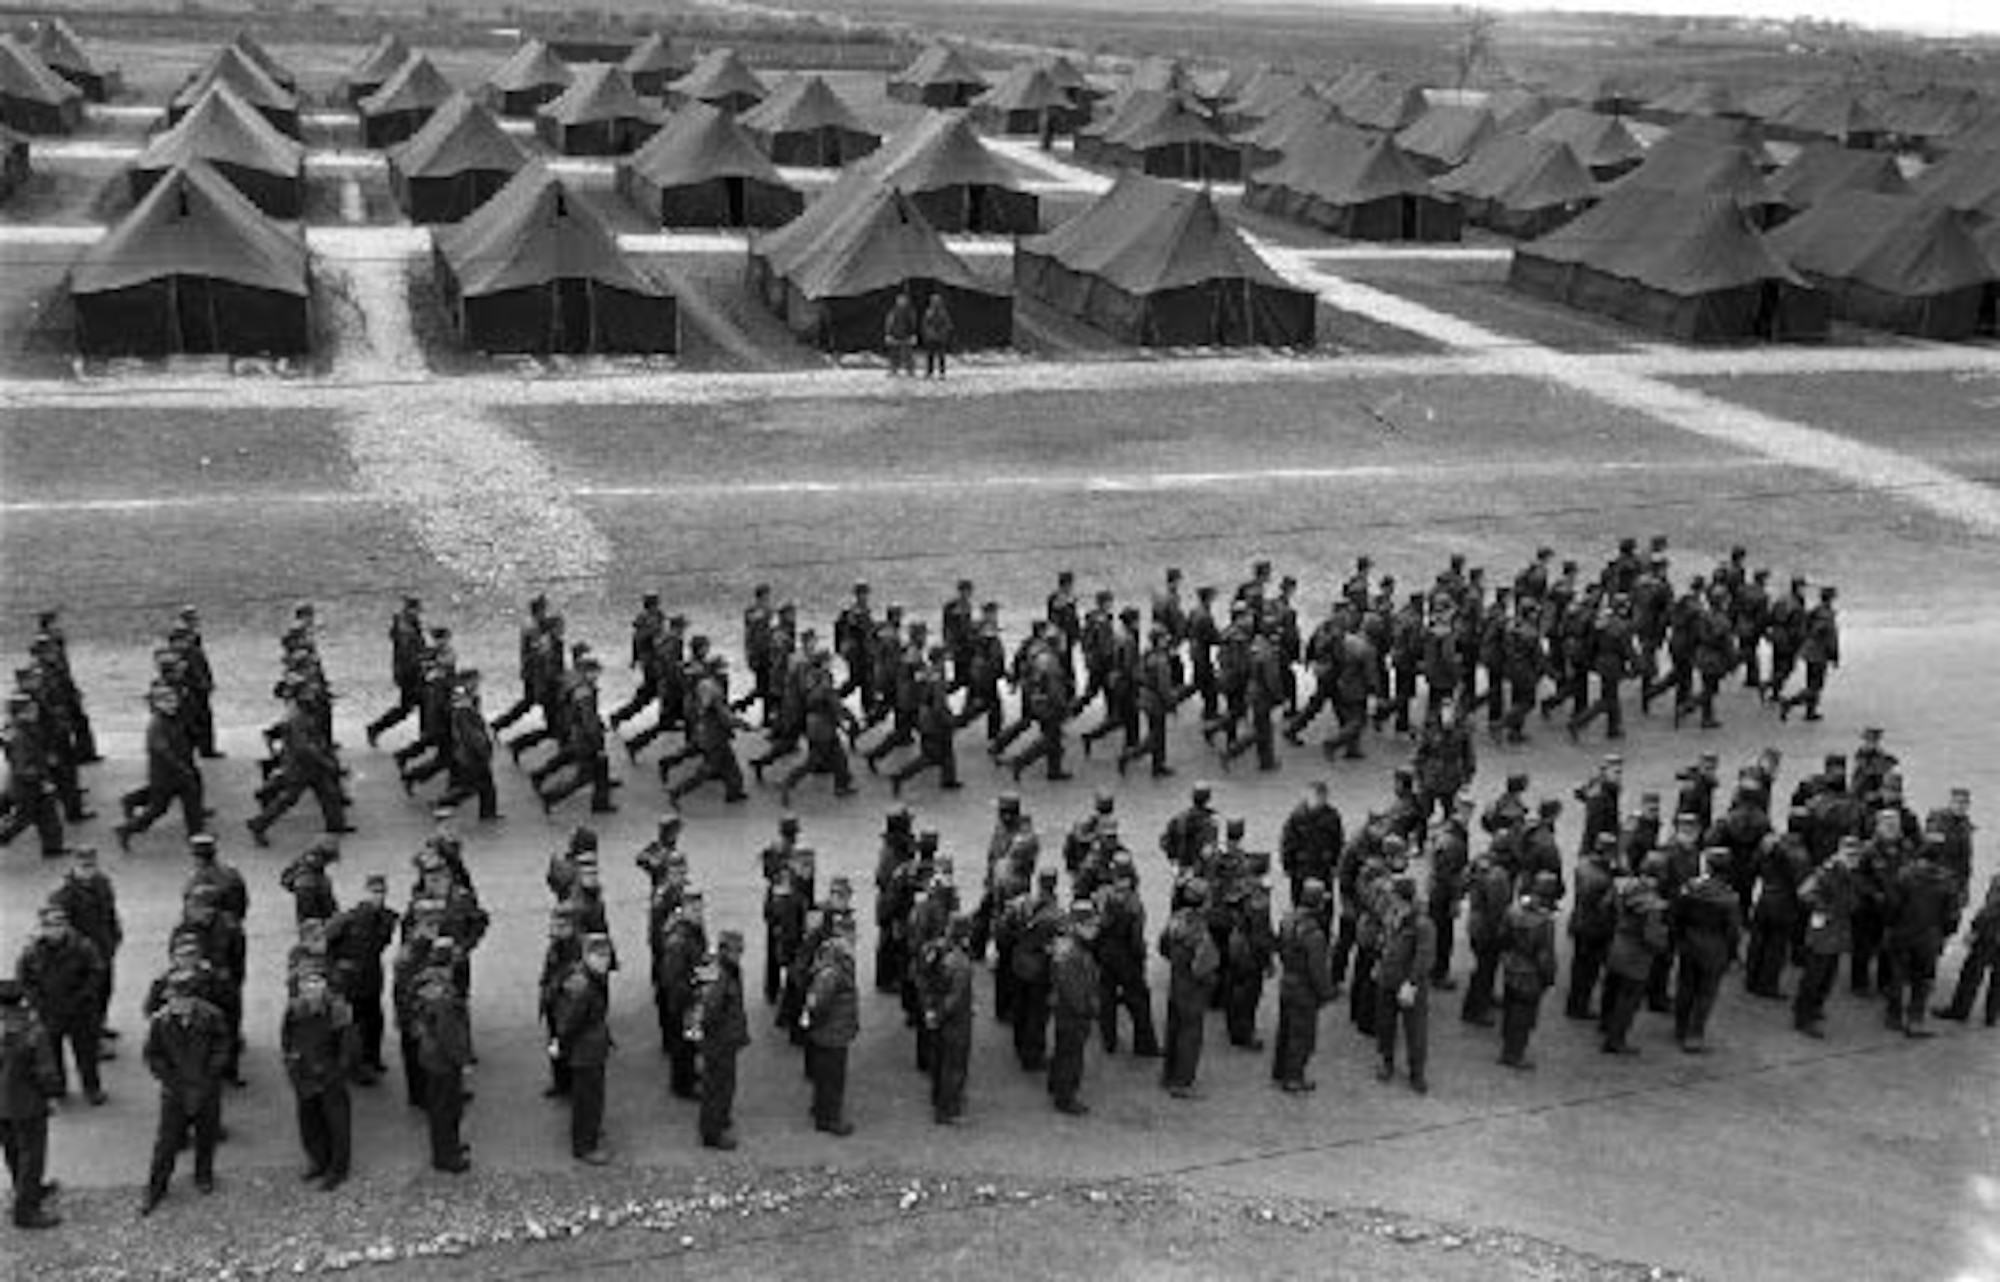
(534, 270)
(598, 115)
(1603, 143)
(1687, 265)
(55, 42)
(241, 145)
(719, 79)
(34, 99)
(1163, 135)
(1823, 168)
(1444, 137)
(941, 164)
(1027, 100)
(940, 77)
(14, 167)
(248, 81)
(1363, 188)
(1964, 180)
(531, 76)
(652, 63)
(834, 273)
(1384, 102)
(1521, 186)
(380, 62)
(1598, 92)
(1723, 171)
(1893, 262)
(1264, 95)
(1292, 124)
(1927, 118)
(702, 170)
(1835, 112)
(401, 105)
(804, 123)
(1153, 263)
(1516, 110)
(1070, 79)
(1695, 98)
(1706, 133)
(193, 268)
(454, 164)
(281, 75)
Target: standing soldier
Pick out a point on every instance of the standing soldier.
(935, 331)
(719, 1028)
(563, 951)
(1193, 966)
(583, 1043)
(1981, 964)
(1708, 931)
(1305, 985)
(945, 998)
(1829, 896)
(64, 976)
(1402, 978)
(91, 901)
(1444, 761)
(674, 979)
(1593, 924)
(1252, 942)
(1819, 650)
(29, 1077)
(187, 1050)
(1451, 858)
(1489, 892)
(355, 941)
(444, 1048)
(1192, 831)
(1033, 920)
(1528, 968)
(321, 1051)
(305, 879)
(1309, 846)
(1121, 962)
(788, 897)
(1782, 865)
(1641, 935)
(30, 795)
(172, 773)
(1075, 984)
(831, 1019)
(1927, 907)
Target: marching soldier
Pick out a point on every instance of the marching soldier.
(30, 1076)
(172, 772)
(1819, 650)
(406, 666)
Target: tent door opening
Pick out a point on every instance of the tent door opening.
(572, 320)
(736, 196)
(194, 316)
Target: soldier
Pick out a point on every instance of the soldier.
(306, 880)
(648, 625)
(1981, 964)
(355, 940)
(664, 665)
(1819, 650)
(1612, 657)
(1927, 904)
(1193, 967)
(946, 1002)
(674, 980)
(31, 791)
(1829, 896)
(1168, 610)
(406, 666)
(1305, 985)
(1489, 894)
(530, 650)
(1640, 936)
(187, 1050)
(1264, 689)
(321, 1050)
(1233, 676)
(1785, 625)
(826, 718)
(1528, 966)
(1203, 637)
(987, 665)
(1156, 693)
(1402, 979)
(30, 1076)
(1444, 761)
(198, 691)
(830, 1019)
(788, 896)
(444, 1048)
(420, 936)
(437, 666)
(561, 955)
(172, 772)
(822, 923)
(91, 901)
(51, 647)
(934, 332)
(1121, 962)
(545, 674)
(1309, 846)
(468, 753)
(712, 736)
(936, 724)
(1708, 930)
(1075, 985)
(1250, 942)
(720, 1030)
(64, 976)
(305, 764)
(1593, 925)
(582, 1041)
(1034, 920)
(583, 747)
(1782, 865)
(1192, 831)
(1046, 696)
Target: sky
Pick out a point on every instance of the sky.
(1944, 17)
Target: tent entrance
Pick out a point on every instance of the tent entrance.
(195, 329)
(736, 196)
(572, 320)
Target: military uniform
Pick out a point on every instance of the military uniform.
(187, 1050)
(1305, 985)
(718, 1025)
(29, 1078)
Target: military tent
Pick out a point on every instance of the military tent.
(1723, 171)
(248, 81)
(1831, 111)
(1361, 188)
(1706, 133)
(34, 99)
(454, 164)
(1607, 93)
(1689, 265)
(719, 79)
(598, 115)
(14, 167)
(1025, 101)
(1926, 118)
(531, 76)
(1297, 121)
(534, 270)
(55, 42)
(834, 273)
(803, 122)
(1070, 80)
(240, 144)
(1521, 186)
(1968, 180)
(1603, 143)
(1516, 110)
(702, 170)
(1694, 98)
(940, 77)
(1385, 103)
(1823, 168)
(941, 164)
(1892, 262)
(281, 75)
(399, 108)
(652, 63)
(1264, 96)
(1156, 74)
(193, 267)
(1153, 263)
(1981, 134)
(1767, 102)
(1164, 135)
(380, 62)
(1444, 137)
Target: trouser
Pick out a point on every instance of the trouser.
(560, 1078)
(34, 807)
(1298, 1036)
(934, 360)
(937, 751)
(718, 1094)
(78, 1032)
(1444, 920)
(586, 1108)
(1770, 945)
(1048, 745)
(1623, 995)
(983, 701)
(1184, 1033)
(593, 770)
(1242, 992)
(415, 1080)
(1608, 705)
(717, 764)
(1694, 997)
(1416, 1027)
(1261, 738)
(1031, 1023)
(1912, 975)
(444, 1106)
(1478, 1005)
(951, 1057)
(1131, 995)
(827, 1067)
(1659, 983)
(325, 790)
(1702, 700)
(1520, 1011)
(1981, 965)
(474, 782)
(1586, 964)
(326, 1130)
(1153, 745)
(683, 1074)
(1783, 664)
(1343, 946)
(1322, 697)
(1865, 971)
(649, 690)
(409, 699)
(1810, 696)
(1072, 1033)
(1816, 981)
(25, 1142)
(1121, 712)
(145, 806)
(1362, 998)
(177, 1118)
(1523, 693)
(671, 702)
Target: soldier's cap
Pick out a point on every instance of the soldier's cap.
(927, 837)
(1628, 544)
(1194, 890)
(789, 825)
(1046, 876)
(1607, 841)
(1871, 732)
(443, 946)
(788, 606)
(1206, 591)
(597, 942)
(181, 981)
(11, 992)
(670, 821)
(1312, 887)
(441, 812)
(326, 846)
(729, 941)
(1104, 596)
(1614, 759)
(1203, 791)
(1649, 798)
(1549, 806)
(1082, 909)
(840, 883)
(582, 838)
(1403, 774)
(54, 915)
(376, 881)
(1130, 613)
(899, 816)
(189, 612)
(1173, 574)
(1687, 818)
(1547, 885)
(1105, 801)
(1236, 827)
(1009, 801)
(1836, 761)
(1569, 567)
(677, 620)
(861, 587)
(1828, 593)
(441, 632)
(18, 700)
(1709, 758)
(1393, 845)
(1965, 793)
(427, 908)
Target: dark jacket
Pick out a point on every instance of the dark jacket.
(321, 1045)
(1926, 907)
(831, 998)
(62, 977)
(29, 1075)
(1074, 979)
(187, 1055)
(1305, 960)
(582, 1006)
(718, 1013)
(1708, 921)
